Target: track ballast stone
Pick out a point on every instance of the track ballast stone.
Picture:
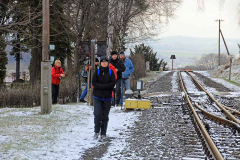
(210, 83)
(165, 132)
(163, 84)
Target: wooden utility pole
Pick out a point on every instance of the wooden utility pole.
(230, 56)
(46, 74)
(230, 69)
(110, 28)
(219, 63)
(45, 30)
(91, 72)
(219, 30)
(93, 45)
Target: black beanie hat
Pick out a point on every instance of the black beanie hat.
(114, 52)
(96, 60)
(104, 59)
(122, 53)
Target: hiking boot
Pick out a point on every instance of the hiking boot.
(96, 135)
(82, 100)
(103, 136)
(112, 104)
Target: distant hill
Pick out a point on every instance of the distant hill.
(187, 49)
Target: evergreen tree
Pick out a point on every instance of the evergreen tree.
(3, 59)
(149, 55)
(58, 27)
(3, 54)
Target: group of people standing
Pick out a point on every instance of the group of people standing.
(110, 72)
(122, 67)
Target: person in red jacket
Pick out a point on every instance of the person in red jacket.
(57, 75)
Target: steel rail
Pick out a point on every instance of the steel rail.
(223, 109)
(212, 147)
(222, 120)
(237, 113)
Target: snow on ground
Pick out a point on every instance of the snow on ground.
(221, 81)
(118, 144)
(223, 71)
(209, 89)
(174, 82)
(188, 82)
(153, 76)
(64, 134)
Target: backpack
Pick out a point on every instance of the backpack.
(110, 72)
(113, 69)
(56, 68)
(84, 73)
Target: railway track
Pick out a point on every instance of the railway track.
(217, 124)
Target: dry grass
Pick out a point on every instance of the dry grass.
(150, 76)
(20, 97)
(25, 96)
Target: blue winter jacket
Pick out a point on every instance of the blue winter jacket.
(129, 68)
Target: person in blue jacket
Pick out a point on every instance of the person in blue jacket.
(127, 73)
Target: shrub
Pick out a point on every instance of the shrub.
(68, 91)
(24, 95)
(21, 97)
(139, 65)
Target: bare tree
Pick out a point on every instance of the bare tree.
(115, 21)
(132, 20)
(210, 61)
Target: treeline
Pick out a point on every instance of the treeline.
(208, 62)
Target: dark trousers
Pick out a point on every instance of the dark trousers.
(55, 92)
(118, 91)
(101, 112)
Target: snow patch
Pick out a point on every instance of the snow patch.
(70, 141)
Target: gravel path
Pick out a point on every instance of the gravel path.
(96, 152)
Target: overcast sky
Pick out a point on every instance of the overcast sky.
(190, 21)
